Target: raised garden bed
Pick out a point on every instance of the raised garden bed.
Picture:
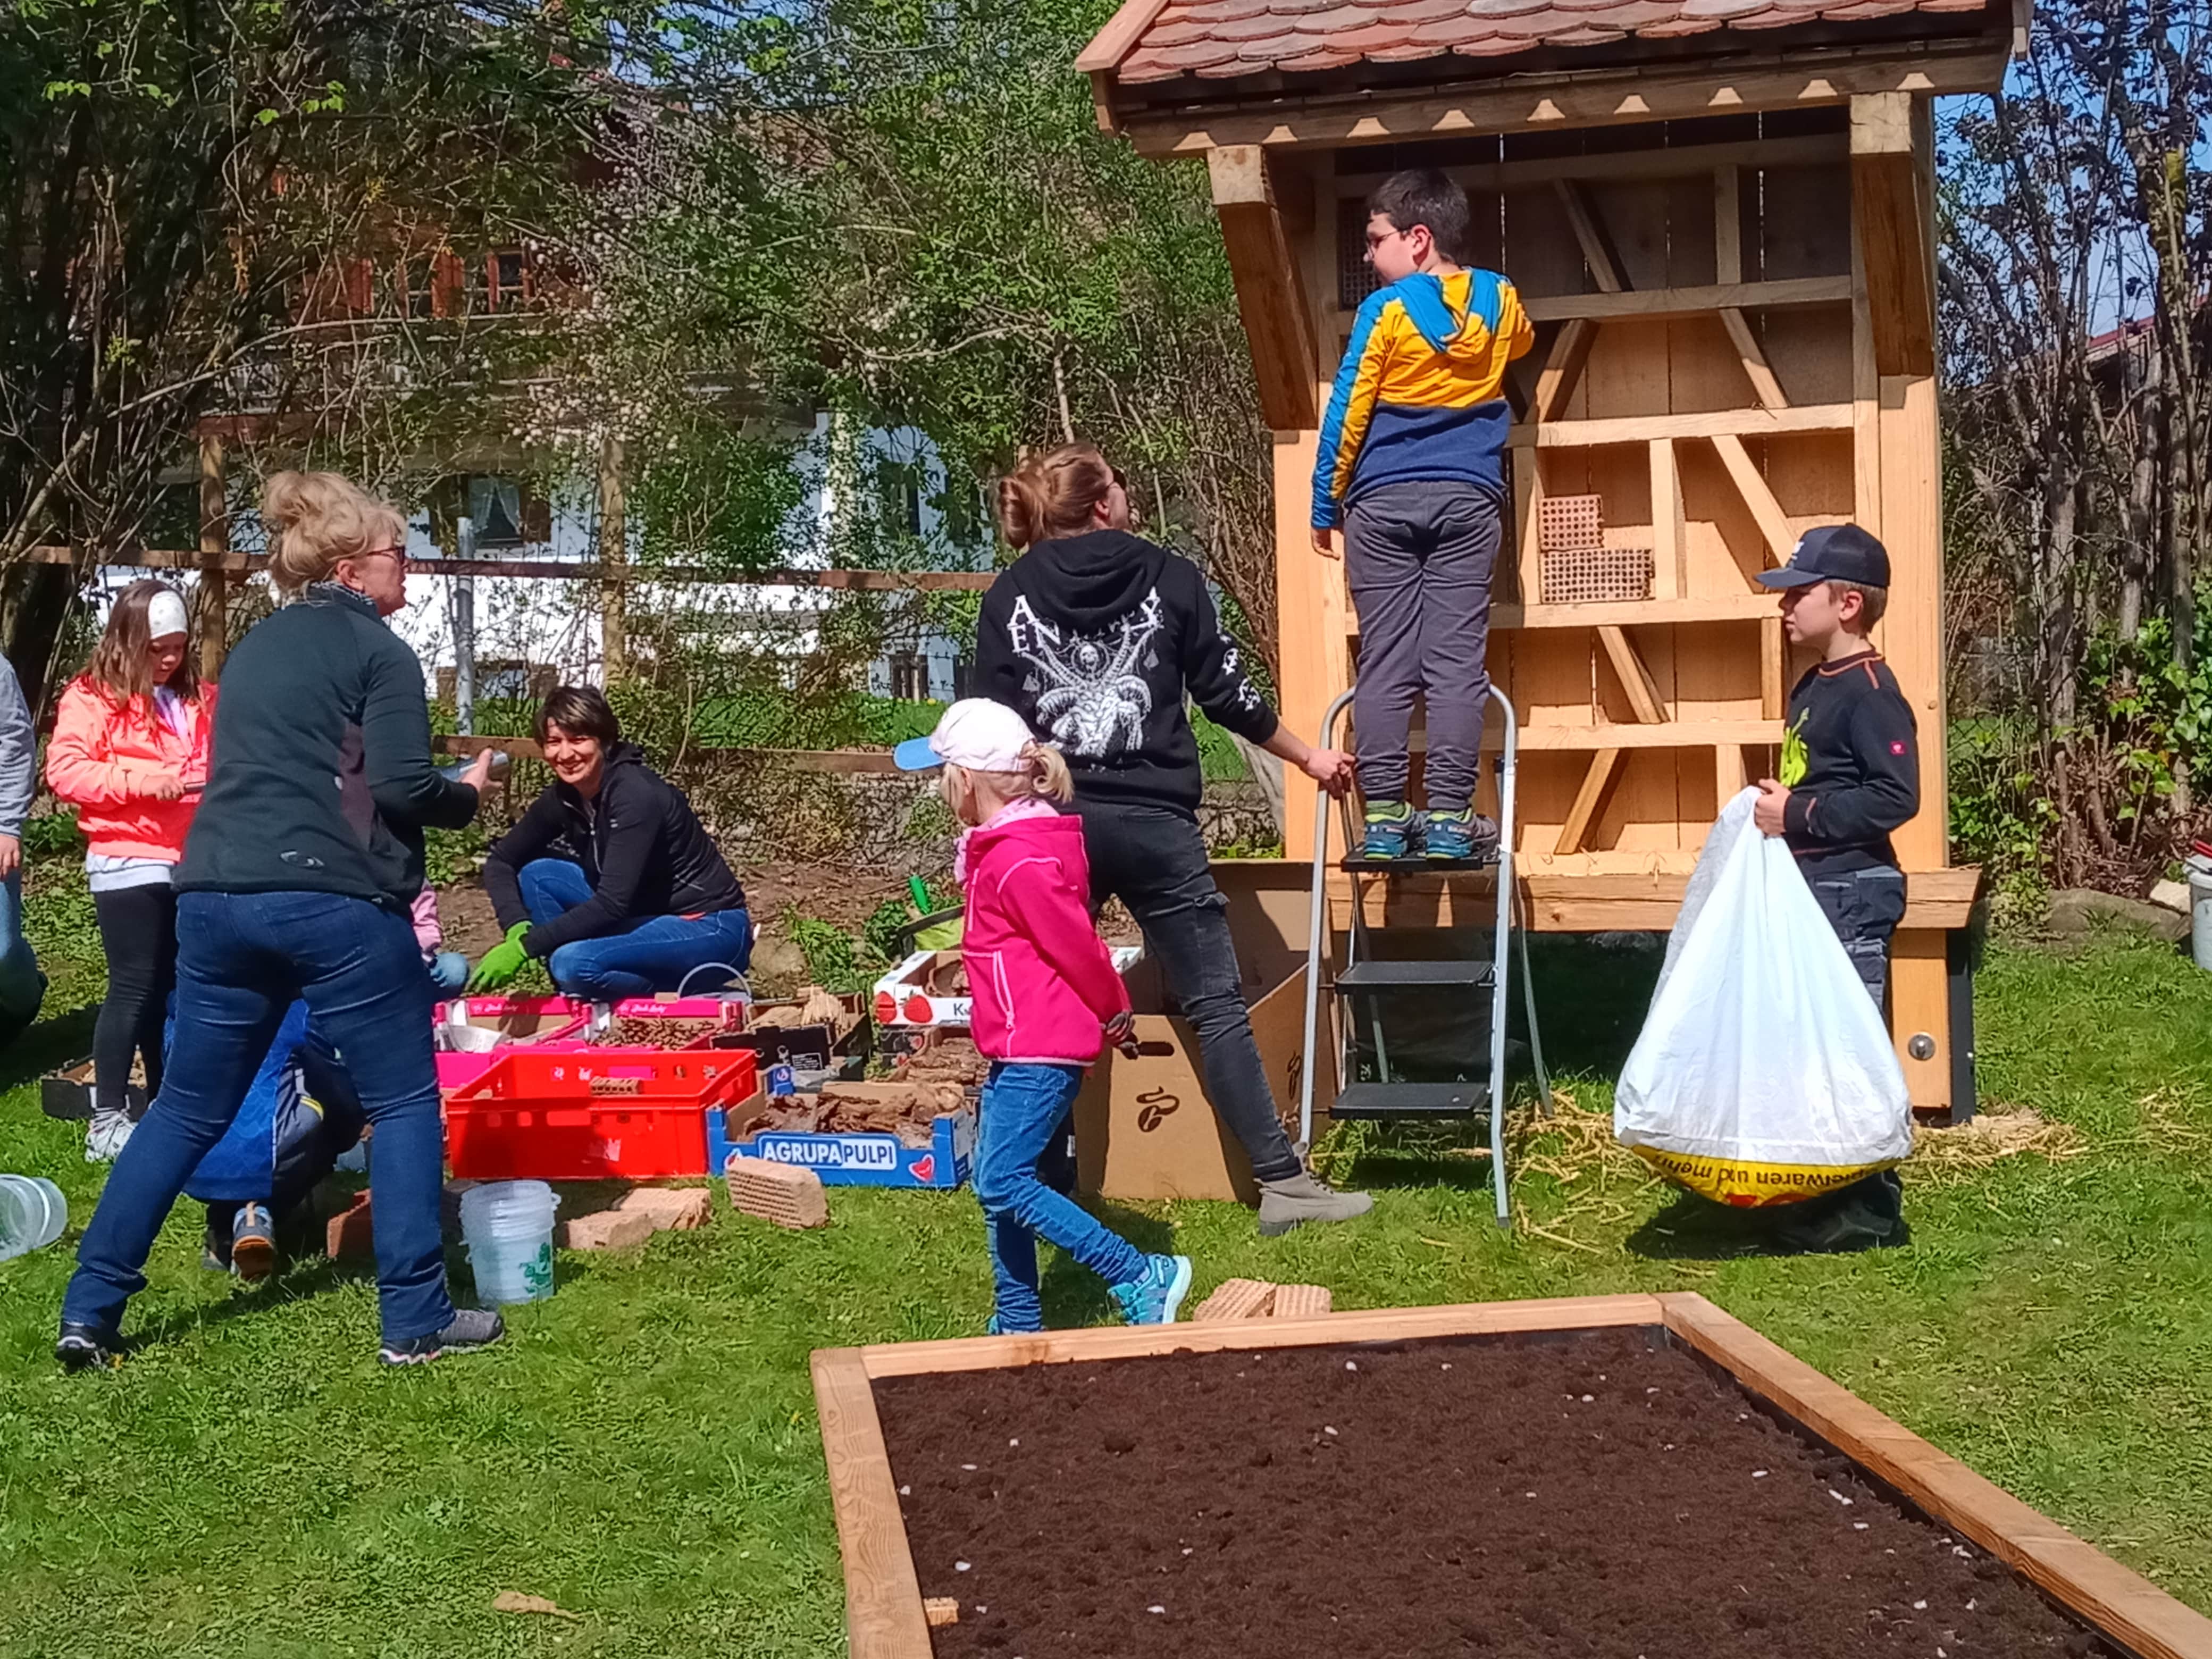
(1615, 1475)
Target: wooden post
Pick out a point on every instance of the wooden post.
(1270, 297)
(213, 595)
(1313, 613)
(614, 560)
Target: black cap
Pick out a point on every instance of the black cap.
(1832, 553)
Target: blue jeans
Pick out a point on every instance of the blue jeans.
(1025, 1109)
(641, 957)
(242, 959)
(23, 986)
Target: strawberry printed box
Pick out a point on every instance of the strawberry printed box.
(930, 988)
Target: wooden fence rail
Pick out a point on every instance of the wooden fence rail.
(861, 581)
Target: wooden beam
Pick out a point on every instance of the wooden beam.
(213, 595)
(1123, 30)
(1563, 369)
(1771, 661)
(1727, 220)
(1671, 162)
(1935, 900)
(1751, 483)
(1752, 356)
(1591, 800)
(867, 581)
(1892, 220)
(1644, 428)
(1670, 528)
(1637, 613)
(1635, 678)
(1727, 774)
(1638, 94)
(1596, 245)
(884, 1618)
(1271, 297)
(1528, 504)
(1631, 734)
(1659, 302)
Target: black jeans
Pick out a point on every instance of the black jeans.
(1865, 906)
(1153, 859)
(138, 932)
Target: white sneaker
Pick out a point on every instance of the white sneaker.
(105, 1138)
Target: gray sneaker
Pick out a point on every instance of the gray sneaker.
(1296, 1199)
(470, 1327)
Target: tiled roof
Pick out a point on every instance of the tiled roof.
(1223, 38)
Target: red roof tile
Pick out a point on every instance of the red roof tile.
(1222, 38)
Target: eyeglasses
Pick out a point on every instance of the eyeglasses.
(1376, 238)
(1121, 479)
(397, 553)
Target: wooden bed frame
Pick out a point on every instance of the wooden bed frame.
(884, 1604)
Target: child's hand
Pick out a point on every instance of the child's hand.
(1121, 1032)
(1324, 540)
(1767, 810)
(1329, 768)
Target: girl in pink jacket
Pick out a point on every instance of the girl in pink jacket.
(129, 752)
(1046, 1001)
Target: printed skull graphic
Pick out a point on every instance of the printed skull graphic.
(1091, 692)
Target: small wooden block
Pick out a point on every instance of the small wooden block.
(940, 1610)
(784, 1194)
(1237, 1298)
(606, 1230)
(349, 1233)
(671, 1209)
(1301, 1301)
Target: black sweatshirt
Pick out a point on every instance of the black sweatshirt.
(639, 844)
(320, 778)
(1096, 639)
(1861, 778)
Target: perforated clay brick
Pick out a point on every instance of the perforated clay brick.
(1237, 1298)
(784, 1194)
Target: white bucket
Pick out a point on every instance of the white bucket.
(508, 1226)
(33, 1214)
(2200, 915)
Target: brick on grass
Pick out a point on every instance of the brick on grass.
(1301, 1301)
(673, 1209)
(785, 1193)
(347, 1233)
(1237, 1298)
(606, 1230)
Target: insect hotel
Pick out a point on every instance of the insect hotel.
(1719, 213)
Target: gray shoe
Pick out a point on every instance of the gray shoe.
(1296, 1199)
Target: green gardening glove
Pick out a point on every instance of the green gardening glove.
(502, 962)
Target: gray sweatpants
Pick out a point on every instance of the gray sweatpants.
(1419, 557)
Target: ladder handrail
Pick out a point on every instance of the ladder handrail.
(1317, 931)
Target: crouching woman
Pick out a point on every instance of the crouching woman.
(609, 878)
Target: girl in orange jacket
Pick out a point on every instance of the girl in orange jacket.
(129, 752)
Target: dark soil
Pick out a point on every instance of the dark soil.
(1598, 1494)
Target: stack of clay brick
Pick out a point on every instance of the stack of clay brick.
(1255, 1298)
(636, 1216)
(1575, 566)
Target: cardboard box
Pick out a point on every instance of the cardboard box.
(856, 1160)
(1144, 1128)
(916, 992)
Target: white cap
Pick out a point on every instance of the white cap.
(975, 732)
(165, 615)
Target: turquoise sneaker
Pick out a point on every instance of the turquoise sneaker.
(1390, 828)
(1154, 1296)
(1457, 834)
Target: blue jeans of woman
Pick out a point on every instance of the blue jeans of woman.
(242, 959)
(642, 955)
(1025, 1109)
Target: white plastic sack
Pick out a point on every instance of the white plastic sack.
(1764, 1074)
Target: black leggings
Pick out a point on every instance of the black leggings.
(138, 931)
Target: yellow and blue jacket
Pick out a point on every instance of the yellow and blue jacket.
(1419, 396)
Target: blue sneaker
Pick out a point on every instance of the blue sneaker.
(996, 1326)
(1390, 829)
(1457, 834)
(1154, 1296)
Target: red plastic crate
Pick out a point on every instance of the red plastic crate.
(634, 1113)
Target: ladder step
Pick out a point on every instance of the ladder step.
(1485, 858)
(1381, 975)
(1372, 1100)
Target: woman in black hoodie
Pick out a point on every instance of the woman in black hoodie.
(609, 878)
(1097, 636)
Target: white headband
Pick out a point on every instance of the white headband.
(165, 615)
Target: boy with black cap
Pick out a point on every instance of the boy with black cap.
(1849, 775)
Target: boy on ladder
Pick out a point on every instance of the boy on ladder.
(1410, 466)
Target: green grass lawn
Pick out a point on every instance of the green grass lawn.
(642, 1451)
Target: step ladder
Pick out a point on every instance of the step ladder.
(1366, 984)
